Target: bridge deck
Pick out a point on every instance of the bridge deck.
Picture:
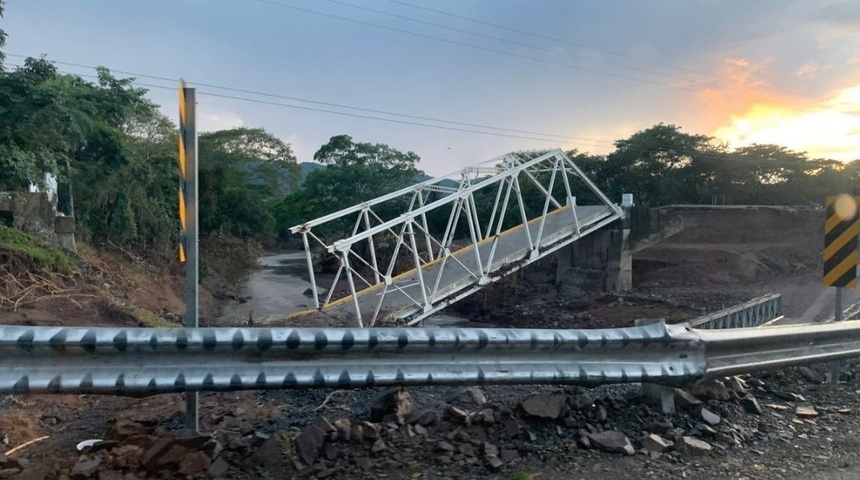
(459, 274)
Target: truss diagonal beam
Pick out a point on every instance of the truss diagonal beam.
(453, 235)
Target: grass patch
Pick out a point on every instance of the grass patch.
(146, 318)
(44, 256)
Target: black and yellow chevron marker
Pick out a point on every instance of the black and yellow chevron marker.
(840, 242)
(183, 179)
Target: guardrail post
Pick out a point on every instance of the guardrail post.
(836, 367)
(663, 395)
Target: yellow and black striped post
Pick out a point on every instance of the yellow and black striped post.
(840, 242)
(188, 244)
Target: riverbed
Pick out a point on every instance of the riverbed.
(275, 290)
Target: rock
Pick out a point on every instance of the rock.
(125, 428)
(269, 456)
(686, 400)
(694, 446)
(357, 433)
(845, 411)
(709, 417)
(494, 463)
(612, 441)
(218, 468)
(602, 416)
(38, 471)
(467, 449)
(487, 416)
(810, 375)
(111, 475)
(395, 401)
(491, 450)
(370, 431)
(778, 407)
(86, 468)
(344, 429)
(583, 442)
(580, 401)
(711, 390)
(751, 405)
(805, 411)
(550, 406)
(428, 418)
(457, 415)
(9, 472)
(127, 456)
(788, 396)
(324, 424)
(142, 441)
(152, 456)
(194, 464)
(508, 455)
(420, 430)
(511, 427)
(656, 443)
(473, 396)
(445, 446)
(379, 446)
(309, 443)
(737, 385)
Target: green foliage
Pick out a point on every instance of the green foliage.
(115, 157)
(244, 173)
(44, 256)
(356, 172)
(663, 165)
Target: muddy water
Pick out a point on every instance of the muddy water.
(276, 290)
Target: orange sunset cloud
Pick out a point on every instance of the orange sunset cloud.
(749, 110)
(827, 129)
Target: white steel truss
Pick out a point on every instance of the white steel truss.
(405, 255)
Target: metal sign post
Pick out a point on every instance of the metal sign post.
(840, 254)
(188, 246)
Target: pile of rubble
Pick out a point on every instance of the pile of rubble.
(468, 434)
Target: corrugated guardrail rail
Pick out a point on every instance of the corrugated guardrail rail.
(757, 311)
(141, 361)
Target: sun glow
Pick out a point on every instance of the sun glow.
(828, 129)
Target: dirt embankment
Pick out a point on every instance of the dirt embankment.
(720, 258)
(111, 286)
(733, 247)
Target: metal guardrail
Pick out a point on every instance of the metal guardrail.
(754, 313)
(731, 352)
(148, 361)
(138, 360)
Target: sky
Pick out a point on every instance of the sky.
(542, 73)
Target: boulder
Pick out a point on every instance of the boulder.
(612, 441)
(750, 404)
(693, 446)
(656, 444)
(551, 406)
(395, 401)
(309, 443)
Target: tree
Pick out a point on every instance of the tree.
(244, 172)
(355, 172)
(649, 164)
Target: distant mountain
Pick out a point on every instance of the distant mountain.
(307, 167)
